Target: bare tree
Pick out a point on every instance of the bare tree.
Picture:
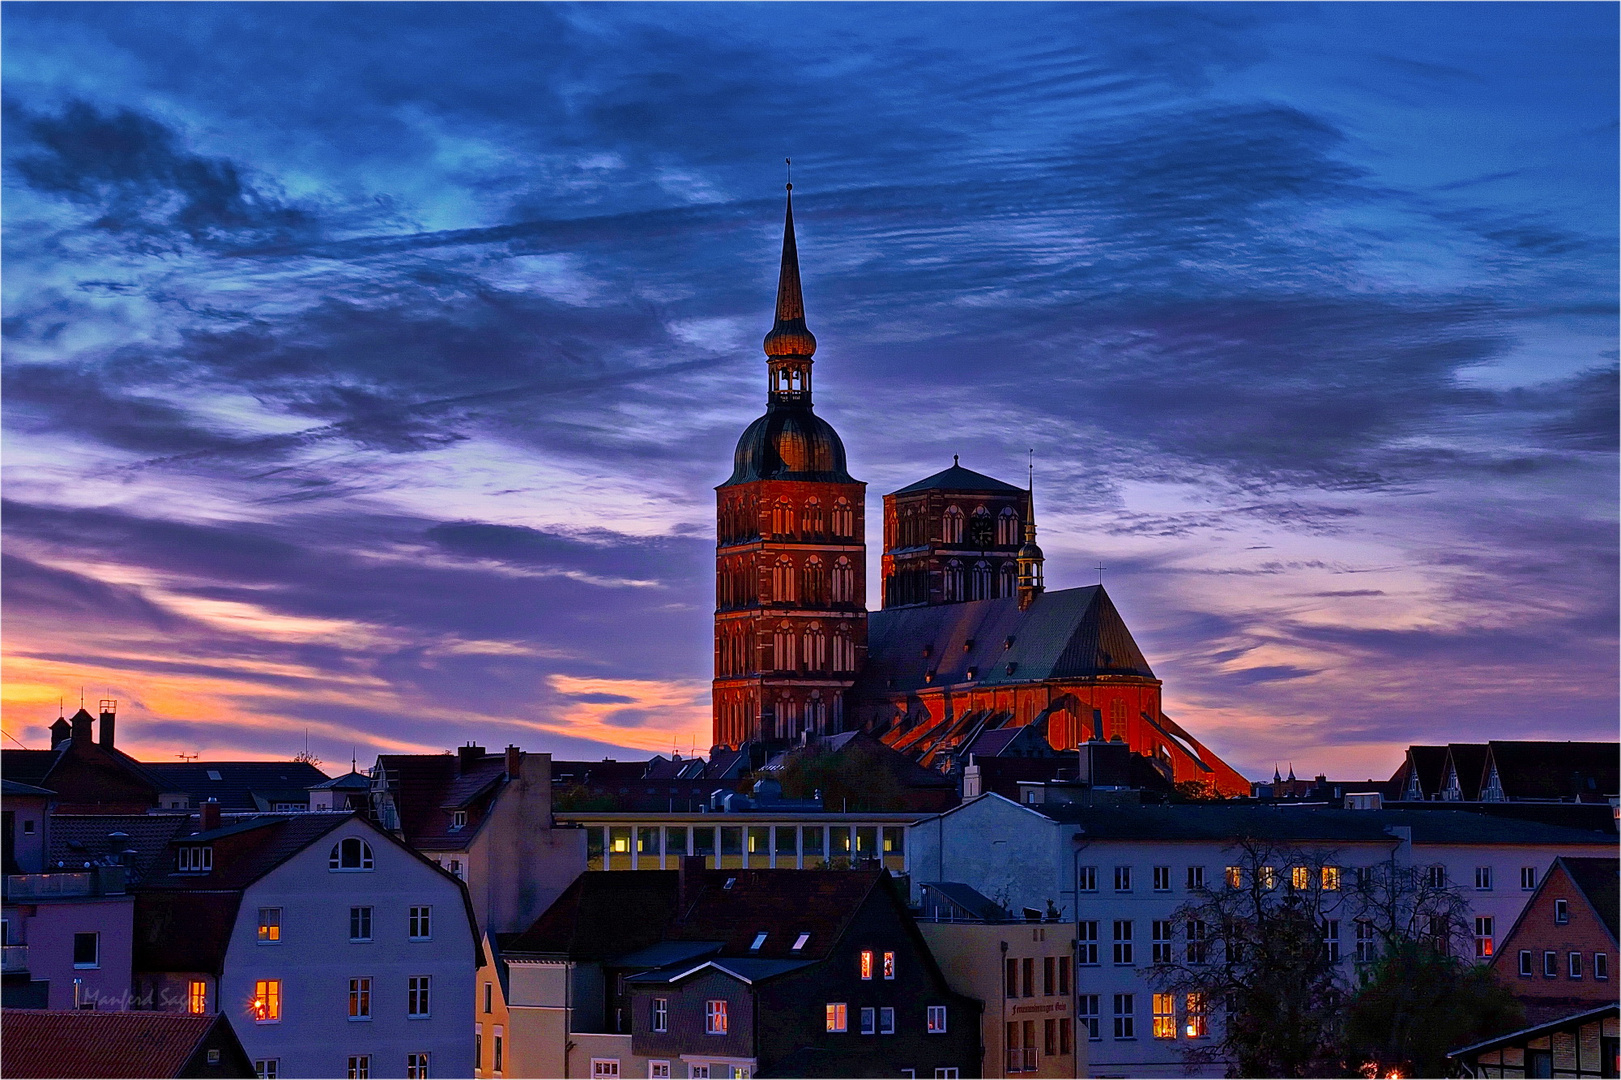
(1249, 963)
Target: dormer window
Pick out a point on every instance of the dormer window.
(973, 673)
(196, 859)
(800, 942)
(458, 819)
(759, 941)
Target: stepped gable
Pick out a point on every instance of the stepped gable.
(1069, 634)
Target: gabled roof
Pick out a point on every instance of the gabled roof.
(1068, 634)
(239, 781)
(1557, 770)
(79, 1043)
(1429, 762)
(1467, 762)
(245, 850)
(1600, 881)
(1572, 1020)
(958, 478)
(349, 781)
(602, 914)
(428, 788)
(973, 902)
(9, 786)
(746, 969)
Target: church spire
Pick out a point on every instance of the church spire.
(1030, 558)
(790, 345)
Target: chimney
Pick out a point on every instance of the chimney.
(689, 877)
(209, 818)
(82, 722)
(109, 721)
(514, 756)
(61, 732)
(466, 756)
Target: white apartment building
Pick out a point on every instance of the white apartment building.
(1117, 875)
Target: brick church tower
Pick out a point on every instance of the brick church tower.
(790, 555)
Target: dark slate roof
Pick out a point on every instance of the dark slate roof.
(782, 903)
(349, 781)
(9, 786)
(78, 839)
(790, 442)
(80, 1043)
(1468, 761)
(1557, 770)
(1300, 822)
(971, 900)
(958, 478)
(748, 969)
(1571, 1020)
(273, 781)
(28, 766)
(1600, 882)
(601, 915)
(183, 931)
(247, 850)
(1431, 762)
(427, 788)
(1072, 633)
(665, 953)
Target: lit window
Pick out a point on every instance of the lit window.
(416, 1067)
(266, 1006)
(197, 996)
(1235, 877)
(1164, 1016)
(886, 1021)
(421, 923)
(800, 942)
(360, 999)
(360, 924)
(604, 1067)
(889, 965)
(838, 1016)
(1268, 877)
(714, 1017)
(1485, 929)
(416, 996)
(1198, 1017)
(360, 1067)
(759, 941)
(1331, 878)
(869, 1021)
(866, 963)
(352, 853)
(86, 950)
(1300, 877)
(270, 926)
(937, 1019)
(661, 1014)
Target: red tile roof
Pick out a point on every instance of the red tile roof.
(41, 1043)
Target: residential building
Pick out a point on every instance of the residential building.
(332, 946)
(78, 1043)
(1587, 1044)
(1117, 876)
(1558, 957)
(756, 838)
(1505, 771)
(486, 819)
(1022, 971)
(492, 1022)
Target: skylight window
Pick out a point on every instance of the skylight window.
(759, 941)
(729, 883)
(799, 942)
(214, 774)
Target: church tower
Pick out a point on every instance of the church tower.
(790, 555)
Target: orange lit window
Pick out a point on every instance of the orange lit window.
(267, 1001)
(889, 965)
(1164, 1016)
(1300, 877)
(1331, 878)
(197, 996)
(866, 964)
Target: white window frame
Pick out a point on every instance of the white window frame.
(419, 925)
(419, 997)
(195, 859)
(359, 1066)
(869, 1020)
(937, 1020)
(365, 918)
(837, 1016)
(267, 1068)
(269, 920)
(886, 1020)
(604, 1067)
(658, 1070)
(417, 1065)
(335, 859)
(712, 1014)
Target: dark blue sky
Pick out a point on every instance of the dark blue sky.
(368, 367)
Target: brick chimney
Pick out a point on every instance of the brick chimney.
(466, 756)
(209, 818)
(514, 757)
(109, 721)
(82, 723)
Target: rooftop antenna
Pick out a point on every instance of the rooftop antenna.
(354, 758)
(81, 697)
(187, 757)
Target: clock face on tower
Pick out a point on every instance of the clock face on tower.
(981, 531)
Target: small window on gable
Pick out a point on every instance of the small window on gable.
(350, 853)
(458, 819)
(759, 941)
(800, 941)
(197, 858)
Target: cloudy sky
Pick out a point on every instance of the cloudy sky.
(368, 368)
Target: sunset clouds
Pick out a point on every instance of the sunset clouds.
(368, 367)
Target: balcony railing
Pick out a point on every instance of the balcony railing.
(1021, 1060)
(97, 881)
(14, 958)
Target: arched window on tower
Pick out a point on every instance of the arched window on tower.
(811, 525)
(782, 648)
(982, 580)
(815, 594)
(844, 581)
(844, 519)
(951, 585)
(951, 526)
(1009, 579)
(815, 648)
(787, 717)
(1007, 527)
(782, 518)
(782, 581)
(1117, 720)
(816, 714)
(844, 650)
